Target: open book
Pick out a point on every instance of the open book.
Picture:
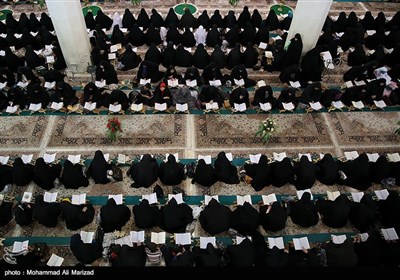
(90, 106)
(295, 84)
(19, 247)
(215, 83)
(49, 158)
(57, 106)
(389, 234)
(183, 238)
(50, 197)
(176, 156)
(151, 198)
(178, 197)
(300, 193)
(338, 239)
(364, 236)
(261, 83)
(239, 239)
(137, 107)
(27, 197)
(240, 107)
(263, 45)
(357, 196)
(121, 159)
(288, 106)
(55, 260)
(205, 240)
(301, 243)
(277, 241)
(239, 82)
(338, 104)
(26, 158)
(382, 194)
(172, 82)
(327, 58)
(79, 199)
(191, 83)
(315, 106)
(87, 236)
(117, 198)
(35, 107)
(49, 85)
(242, 199)
(269, 199)
(158, 237)
(4, 160)
(351, 155)
(160, 107)
(358, 104)
(279, 156)
(255, 158)
(395, 157)
(359, 83)
(370, 32)
(137, 236)
(126, 240)
(212, 106)
(380, 104)
(372, 157)
(349, 84)
(115, 108)
(207, 198)
(308, 156)
(100, 84)
(332, 195)
(265, 106)
(142, 82)
(74, 158)
(115, 48)
(12, 109)
(112, 56)
(207, 159)
(50, 59)
(182, 107)
(229, 156)
(106, 157)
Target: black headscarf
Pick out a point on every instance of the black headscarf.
(245, 219)
(45, 175)
(225, 171)
(175, 217)
(146, 215)
(22, 173)
(304, 212)
(73, 176)
(335, 213)
(98, 168)
(46, 213)
(364, 213)
(273, 217)
(77, 216)
(114, 217)
(215, 218)
(259, 173)
(204, 174)
(328, 172)
(305, 174)
(145, 172)
(171, 172)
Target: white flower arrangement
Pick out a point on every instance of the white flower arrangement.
(266, 129)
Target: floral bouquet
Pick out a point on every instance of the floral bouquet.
(233, 2)
(266, 129)
(113, 127)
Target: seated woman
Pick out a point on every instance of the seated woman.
(6, 177)
(144, 173)
(64, 93)
(370, 252)
(6, 212)
(146, 215)
(85, 252)
(245, 219)
(182, 96)
(105, 71)
(241, 255)
(225, 171)
(390, 210)
(204, 174)
(76, 216)
(357, 172)
(364, 213)
(238, 96)
(91, 94)
(73, 176)
(210, 93)
(304, 212)
(162, 94)
(305, 172)
(22, 174)
(273, 217)
(114, 217)
(46, 213)
(171, 172)
(239, 72)
(179, 256)
(129, 59)
(264, 94)
(37, 94)
(288, 95)
(45, 174)
(259, 173)
(118, 97)
(149, 70)
(282, 172)
(208, 257)
(175, 217)
(328, 170)
(340, 255)
(191, 74)
(215, 218)
(335, 214)
(145, 96)
(98, 168)
(23, 213)
(132, 256)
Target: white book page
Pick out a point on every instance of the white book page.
(100, 84)
(50, 197)
(12, 109)
(265, 106)
(295, 84)
(358, 104)
(183, 238)
(158, 237)
(27, 197)
(79, 199)
(57, 106)
(301, 243)
(50, 59)
(74, 158)
(90, 106)
(395, 157)
(269, 199)
(239, 239)
(357, 196)
(380, 104)
(137, 107)
(115, 108)
(279, 156)
(363, 236)
(112, 56)
(4, 160)
(255, 158)
(277, 241)
(240, 107)
(182, 107)
(215, 83)
(212, 106)
(192, 83)
(87, 236)
(178, 197)
(263, 45)
(172, 82)
(117, 198)
(338, 104)
(20, 246)
(332, 195)
(382, 194)
(229, 156)
(160, 107)
(35, 107)
(207, 198)
(151, 198)
(144, 81)
(137, 236)
(207, 158)
(49, 85)
(349, 84)
(316, 106)
(351, 155)
(261, 83)
(389, 234)
(239, 82)
(360, 83)
(55, 260)
(307, 155)
(372, 157)
(242, 199)
(26, 158)
(300, 193)
(288, 106)
(338, 239)
(205, 240)
(49, 158)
